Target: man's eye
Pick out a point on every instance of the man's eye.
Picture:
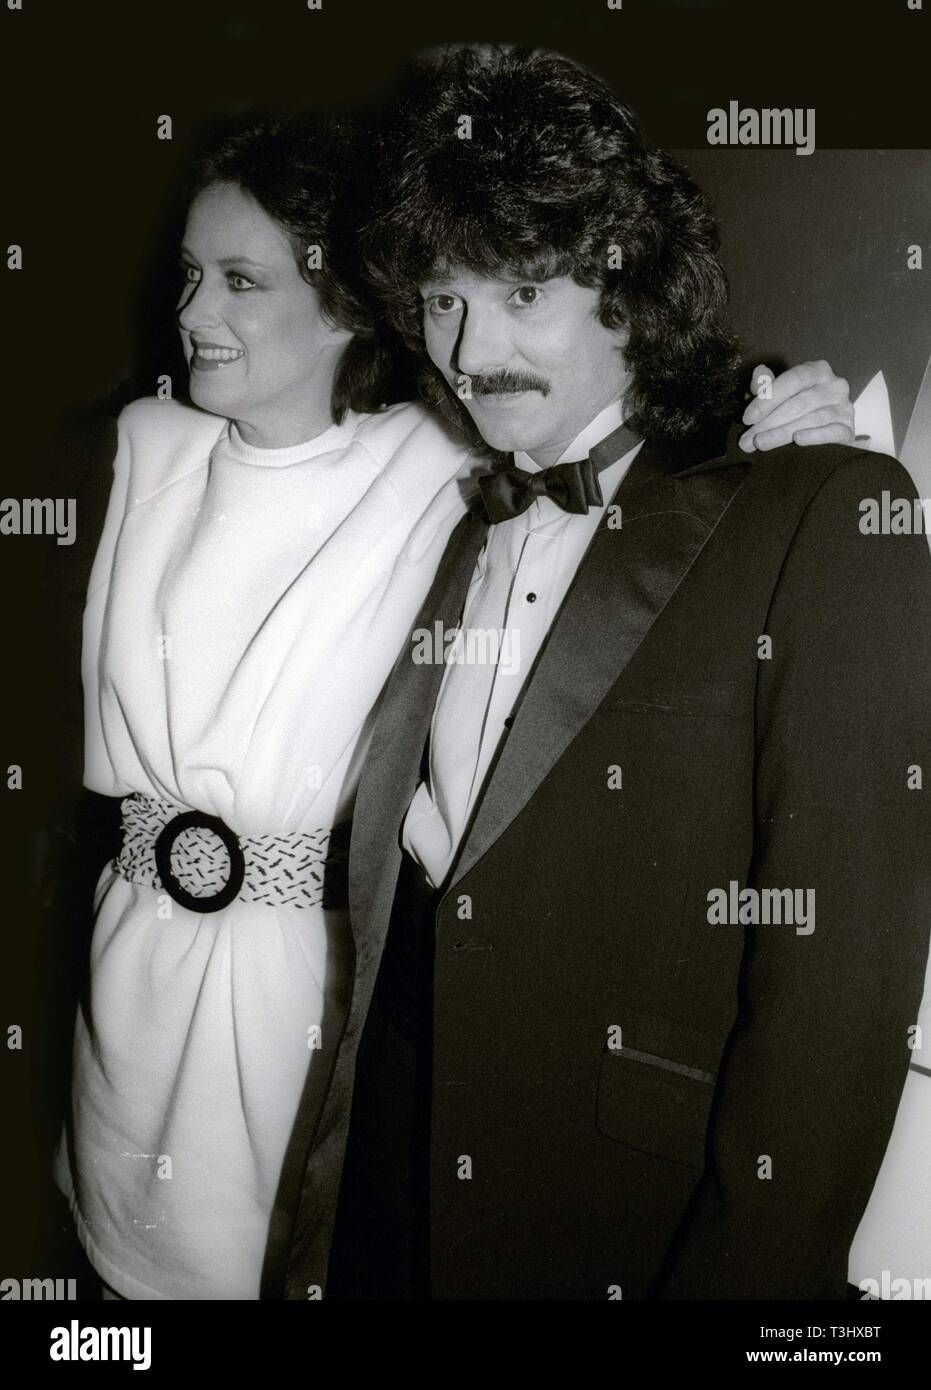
(443, 303)
(189, 273)
(239, 282)
(526, 295)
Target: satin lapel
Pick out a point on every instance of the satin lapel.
(392, 765)
(624, 582)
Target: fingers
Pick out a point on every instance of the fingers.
(816, 427)
(827, 400)
(808, 377)
(759, 375)
(824, 434)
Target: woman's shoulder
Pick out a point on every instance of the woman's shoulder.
(429, 472)
(159, 442)
(169, 422)
(406, 428)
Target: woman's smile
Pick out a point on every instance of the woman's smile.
(208, 357)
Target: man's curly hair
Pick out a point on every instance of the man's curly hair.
(554, 178)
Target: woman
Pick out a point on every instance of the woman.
(263, 558)
(260, 563)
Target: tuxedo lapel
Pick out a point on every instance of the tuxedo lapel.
(392, 764)
(624, 582)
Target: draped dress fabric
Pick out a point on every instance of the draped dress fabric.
(892, 1247)
(244, 610)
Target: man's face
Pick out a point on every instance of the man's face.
(540, 365)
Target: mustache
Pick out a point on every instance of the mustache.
(507, 383)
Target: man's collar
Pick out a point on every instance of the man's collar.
(713, 445)
(613, 447)
(703, 452)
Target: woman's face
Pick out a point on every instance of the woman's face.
(257, 345)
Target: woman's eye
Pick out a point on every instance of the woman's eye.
(189, 273)
(444, 303)
(526, 295)
(240, 282)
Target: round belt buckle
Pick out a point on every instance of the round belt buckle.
(164, 845)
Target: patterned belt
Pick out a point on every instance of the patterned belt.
(203, 865)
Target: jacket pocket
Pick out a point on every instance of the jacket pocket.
(656, 1104)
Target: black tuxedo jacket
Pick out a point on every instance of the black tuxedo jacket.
(727, 1147)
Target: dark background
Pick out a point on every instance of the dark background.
(815, 248)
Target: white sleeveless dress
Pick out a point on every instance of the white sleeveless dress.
(244, 610)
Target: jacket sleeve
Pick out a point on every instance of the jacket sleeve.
(811, 1075)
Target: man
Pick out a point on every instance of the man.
(639, 881)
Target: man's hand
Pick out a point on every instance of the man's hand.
(805, 405)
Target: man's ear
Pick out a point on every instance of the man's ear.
(622, 338)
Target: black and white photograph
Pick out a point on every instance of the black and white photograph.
(466, 726)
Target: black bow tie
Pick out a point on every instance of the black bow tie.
(572, 486)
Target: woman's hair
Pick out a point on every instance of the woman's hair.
(306, 171)
(519, 162)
